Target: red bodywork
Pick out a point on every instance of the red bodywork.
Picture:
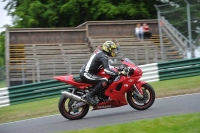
(117, 97)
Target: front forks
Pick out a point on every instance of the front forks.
(138, 88)
(138, 91)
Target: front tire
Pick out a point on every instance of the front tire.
(65, 108)
(142, 103)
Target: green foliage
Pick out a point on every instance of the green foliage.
(176, 12)
(60, 13)
(2, 49)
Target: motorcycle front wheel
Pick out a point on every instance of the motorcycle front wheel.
(67, 110)
(143, 103)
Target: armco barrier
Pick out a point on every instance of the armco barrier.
(51, 88)
(31, 92)
(179, 69)
(170, 70)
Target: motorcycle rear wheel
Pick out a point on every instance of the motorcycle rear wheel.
(65, 108)
(142, 103)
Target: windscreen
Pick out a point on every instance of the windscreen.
(127, 60)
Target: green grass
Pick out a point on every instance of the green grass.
(29, 110)
(50, 106)
(177, 86)
(2, 84)
(187, 123)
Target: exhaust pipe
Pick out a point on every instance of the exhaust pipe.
(72, 96)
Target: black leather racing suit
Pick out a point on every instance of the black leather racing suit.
(88, 72)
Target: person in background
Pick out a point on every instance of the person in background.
(147, 33)
(139, 32)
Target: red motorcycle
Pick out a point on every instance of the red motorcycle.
(120, 90)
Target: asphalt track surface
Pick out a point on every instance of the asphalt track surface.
(162, 107)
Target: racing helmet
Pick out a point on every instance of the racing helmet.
(110, 47)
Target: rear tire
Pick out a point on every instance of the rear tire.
(144, 103)
(64, 106)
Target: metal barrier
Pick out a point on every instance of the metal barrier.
(31, 92)
(171, 70)
(184, 18)
(51, 88)
(179, 69)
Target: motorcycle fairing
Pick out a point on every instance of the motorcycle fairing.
(119, 94)
(109, 104)
(69, 79)
(127, 84)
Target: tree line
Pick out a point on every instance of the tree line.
(71, 13)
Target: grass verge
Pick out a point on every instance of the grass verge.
(50, 106)
(187, 123)
(177, 86)
(2, 84)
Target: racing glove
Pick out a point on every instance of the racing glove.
(122, 73)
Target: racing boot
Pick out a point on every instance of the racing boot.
(90, 96)
(90, 99)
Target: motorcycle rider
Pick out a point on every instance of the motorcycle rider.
(98, 59)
